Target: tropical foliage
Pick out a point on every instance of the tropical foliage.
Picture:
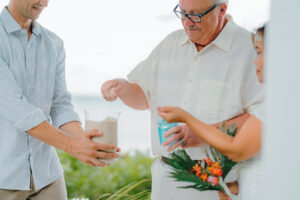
(129, 175)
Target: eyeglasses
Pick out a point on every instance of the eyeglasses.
(196, 18)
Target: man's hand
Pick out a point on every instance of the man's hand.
(234, 189)
(185, 135)
(112, 89)
(84, 149)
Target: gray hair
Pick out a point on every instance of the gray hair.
(219, 1)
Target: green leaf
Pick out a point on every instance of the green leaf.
(182, 165)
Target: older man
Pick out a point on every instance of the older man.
(208, 69)
(33, 94)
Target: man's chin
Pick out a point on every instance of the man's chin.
(193, 36)
(34, 17)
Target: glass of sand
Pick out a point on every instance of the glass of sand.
(107, 122)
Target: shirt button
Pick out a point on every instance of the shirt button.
(190, 80)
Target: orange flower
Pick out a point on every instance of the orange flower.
(203, 177)
(208, 161)
(209, 169)
(217, 165)
(217, 172)
(197, 169)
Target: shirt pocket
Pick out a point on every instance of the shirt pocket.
(213, 100)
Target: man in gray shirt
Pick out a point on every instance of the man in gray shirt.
(33, 94)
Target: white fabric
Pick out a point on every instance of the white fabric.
(215, 84)
(251, 179)
(251, 171)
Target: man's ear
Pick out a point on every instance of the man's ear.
(223, 10)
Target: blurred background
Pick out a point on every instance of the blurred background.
(105, 40)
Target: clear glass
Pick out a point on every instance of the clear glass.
(105, 121)
(163, 127)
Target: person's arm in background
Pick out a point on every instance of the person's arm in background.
(246, 144)
(238, 121)
(184, 134)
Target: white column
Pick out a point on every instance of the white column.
(281, 150)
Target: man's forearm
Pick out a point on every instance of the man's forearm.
(134, 97)
(72, 128)
(50, 135)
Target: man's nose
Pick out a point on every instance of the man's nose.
(44, 3)
(188, 22)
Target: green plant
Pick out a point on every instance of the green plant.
(205, 174)
(140, 190)
(83, 181)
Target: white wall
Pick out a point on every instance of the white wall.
(282, 136)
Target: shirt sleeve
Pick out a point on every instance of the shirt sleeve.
(62, 110)
(144, 73)
(252, 93)
(13, 105)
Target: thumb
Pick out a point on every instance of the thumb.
(163, 109)
(112, 91)
(116, 87)
(164, 116)
(119, 86)
(93, 133)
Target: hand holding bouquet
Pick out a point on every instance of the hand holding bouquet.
(205, 174)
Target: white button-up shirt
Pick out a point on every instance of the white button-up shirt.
(215, 84)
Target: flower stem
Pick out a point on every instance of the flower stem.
(226, 189)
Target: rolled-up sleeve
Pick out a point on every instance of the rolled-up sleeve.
(13, 105)
(62, 110)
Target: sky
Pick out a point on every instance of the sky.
(107, 39)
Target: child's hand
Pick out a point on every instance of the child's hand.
(172, 114)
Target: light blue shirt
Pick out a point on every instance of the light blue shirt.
(32, 90)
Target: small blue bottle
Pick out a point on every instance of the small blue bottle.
(163, 127)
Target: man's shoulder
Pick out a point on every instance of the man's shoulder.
(174, 39)
(241, 39)
(177, 35)
(242, 34)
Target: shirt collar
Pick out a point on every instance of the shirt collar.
(11, 25)
(36, 28)
(223, 40)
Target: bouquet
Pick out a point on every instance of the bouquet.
(205, 174)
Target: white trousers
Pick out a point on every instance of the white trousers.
(166, 188)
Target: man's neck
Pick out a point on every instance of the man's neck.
(221, 25)
(24, 22)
